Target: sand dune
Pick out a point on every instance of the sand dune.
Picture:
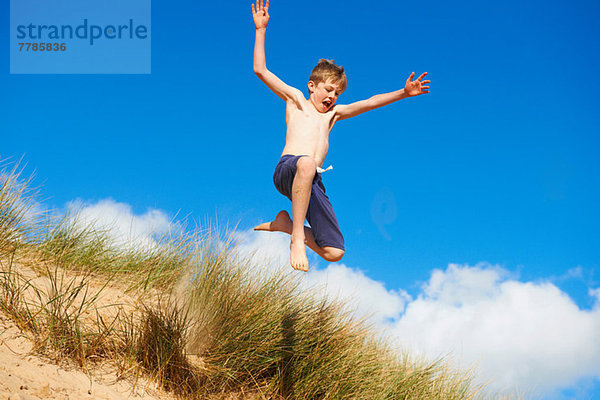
(26, 376)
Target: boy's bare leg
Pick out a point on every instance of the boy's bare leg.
(306, 168)
(283, 223)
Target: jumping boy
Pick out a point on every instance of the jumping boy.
(298, 173)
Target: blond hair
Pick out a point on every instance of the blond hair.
(327, 69)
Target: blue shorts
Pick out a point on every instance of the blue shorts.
(320, 215)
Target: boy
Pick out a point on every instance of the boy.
(298, 173)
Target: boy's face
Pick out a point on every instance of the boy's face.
(323, 95)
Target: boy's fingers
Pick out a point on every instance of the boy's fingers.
(267, 6)
(424, 82)
(410, 77)
(421, 76)
(425, 87)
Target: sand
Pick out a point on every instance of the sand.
(27, 375)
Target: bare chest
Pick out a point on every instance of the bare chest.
(309, 122)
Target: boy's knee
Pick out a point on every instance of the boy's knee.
(306, 166)
(333, 254)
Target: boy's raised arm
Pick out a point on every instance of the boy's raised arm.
(411, 88)
(261, 20)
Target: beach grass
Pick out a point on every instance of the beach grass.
(198, 318)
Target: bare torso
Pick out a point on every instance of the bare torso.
(307, 130)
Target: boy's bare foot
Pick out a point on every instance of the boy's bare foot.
(281, 223)
(298, 257)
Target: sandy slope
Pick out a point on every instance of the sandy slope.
(27, 376)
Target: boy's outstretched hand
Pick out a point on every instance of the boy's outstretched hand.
(260, 14)
(415, 88)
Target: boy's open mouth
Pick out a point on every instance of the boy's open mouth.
(327, 103)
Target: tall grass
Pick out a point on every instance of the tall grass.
(16, 202)
(68, 243)
(13, 287)
(203, 321)
(161, 349)
(264, 334)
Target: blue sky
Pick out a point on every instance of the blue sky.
(498, 164)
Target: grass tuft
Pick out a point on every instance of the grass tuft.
(16, 203)
(12, 296)
(161, 349)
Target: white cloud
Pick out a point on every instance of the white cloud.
(365, 297)
(522, 336)
(268, 249)
(120, 223)
(526, 335)
(595, 293)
